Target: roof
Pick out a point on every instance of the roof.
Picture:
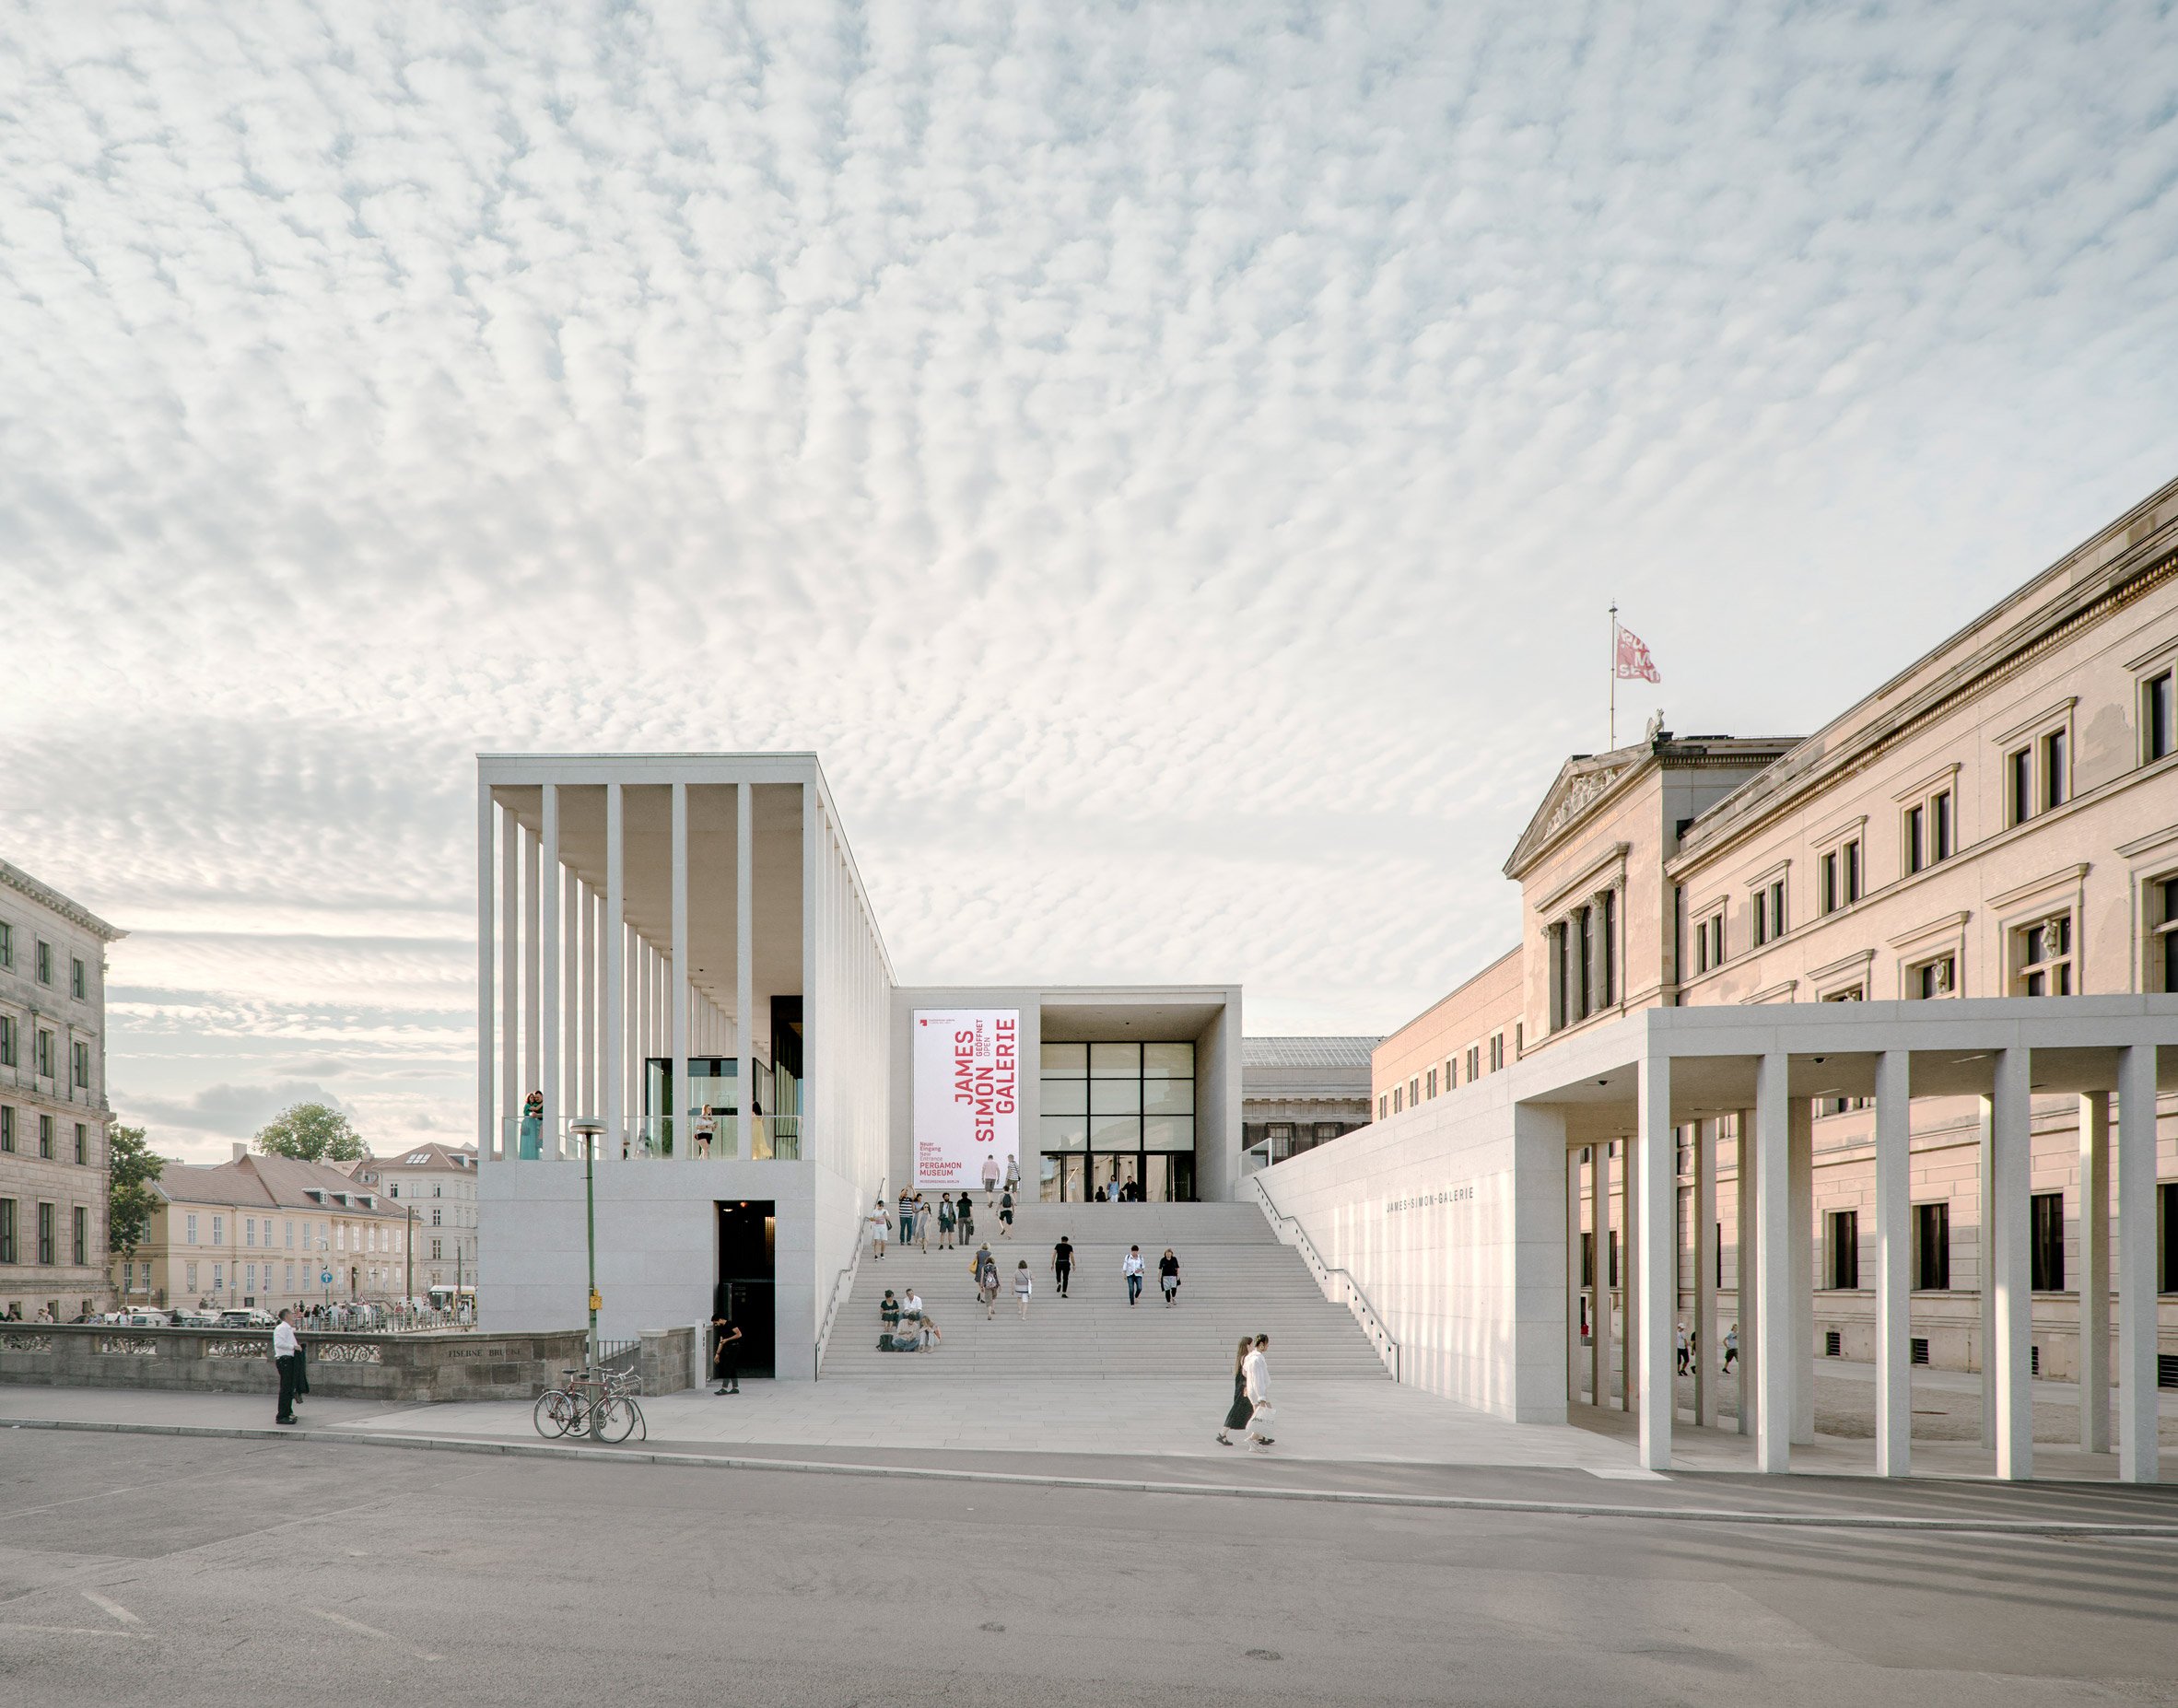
(429, 1157)
(17, 879)
(269, 1183)
(1306, 1052)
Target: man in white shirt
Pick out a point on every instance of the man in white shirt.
(911, 1304)
(990, 1179)
(1255, 1371)
(286, 1354)
(1130, 1267)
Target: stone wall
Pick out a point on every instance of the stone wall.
(406, 1369)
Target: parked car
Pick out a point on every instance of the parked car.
(249, 1318)
(196, 1319)
(145, 1317)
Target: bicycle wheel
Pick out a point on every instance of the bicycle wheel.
(555, 1412)
(614, 1418)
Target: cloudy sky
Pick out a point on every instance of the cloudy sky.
(1172, 462)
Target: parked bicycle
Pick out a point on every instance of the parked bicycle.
(602, 1404)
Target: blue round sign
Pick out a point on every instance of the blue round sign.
(324, 1277)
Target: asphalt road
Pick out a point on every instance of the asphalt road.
(147, 1570)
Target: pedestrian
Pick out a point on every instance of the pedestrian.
(1006, 1215)
(965, 1217)
(1731, 1348)
(726, 1358)
(880, 1225)
(888, 1310)
(1013, 1173)
(1168, 1276)
(923, 1214)
(1242, 1408)
(302, 1362)
(910, 1209)
(285, 1350)
(1062, 1265)
(1130, 1266)
(946, 1221)
(1024, 1284)
(1260, 1420)
(706, 1126)
(987, 1280)
(533, 1127)
(1680, 1345)
(990, 1179)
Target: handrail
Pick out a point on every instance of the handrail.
(832, 1308)
(1376, 1323)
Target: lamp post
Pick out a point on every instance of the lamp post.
(587, 1129)
(408, 1304)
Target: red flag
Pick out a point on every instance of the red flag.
(1635, 663)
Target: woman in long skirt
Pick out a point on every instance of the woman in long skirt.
(1243, 1407)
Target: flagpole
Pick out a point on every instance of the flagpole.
(1612, 747)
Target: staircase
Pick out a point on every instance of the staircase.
(1234, 1275)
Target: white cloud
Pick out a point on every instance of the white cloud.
(1245, 422)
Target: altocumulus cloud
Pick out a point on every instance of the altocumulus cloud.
(1171, 462)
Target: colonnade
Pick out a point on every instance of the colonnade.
(1773, 1137)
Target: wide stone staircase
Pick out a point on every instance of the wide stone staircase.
(1235, 1279)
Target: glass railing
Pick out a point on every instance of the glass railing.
(764, 1139)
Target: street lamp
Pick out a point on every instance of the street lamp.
(587, 1127)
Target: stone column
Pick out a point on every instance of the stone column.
(1774, 1248)
(1708, 1343)
(585, 1094)
(488, 1126)
(744, 978)
(2010, 1173)
(1629, 1281)
(1801, 1143)
(2137, 1452)
(548, 963)
(1658, 1284)
(509, 977)
(570, 1049)
(1599, 1276)
(1984, 1278)
(2095, 1271)
(684, 1131)
(532, 967)
(616, 1006)
(1894, 1281)
(1574, 1291)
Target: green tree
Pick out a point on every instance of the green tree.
(130, 1201)
(311, 1132)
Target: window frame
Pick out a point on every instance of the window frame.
(2060, 969)
(1931, 1258)
(2159, 682)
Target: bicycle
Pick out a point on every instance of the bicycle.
(599, 1403)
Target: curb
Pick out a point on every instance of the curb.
(1441, 1503)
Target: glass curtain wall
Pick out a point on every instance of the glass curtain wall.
(1117, 1118)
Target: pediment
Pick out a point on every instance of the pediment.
(1580, 783)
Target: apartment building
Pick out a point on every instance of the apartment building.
(269, 1232)
(53, 1112)
(436, 1185)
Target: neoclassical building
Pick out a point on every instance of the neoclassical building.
(436, 1183)
(1994, 829)
(53, 1112)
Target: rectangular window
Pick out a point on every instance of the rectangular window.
(2162, 935)
(219, 1230)
(191, 1222)
(2019, 785)
(435, 1208)
(1761, 917)
(1496, 1051)
(79, 985)
(1398, 1098)
(290, 1229)
(2046, 1267)
(1609, 991)
(2166, 1198)
(1779, 924)
(1828, 888)
(1474, 1063)
(79, 1053)
(249, 1230)
(1414, 1091)
(82, 1145)
(1932, 1247)
(7, 1037)
(2045, 957)
(6, 1127)
(45, 1234)
(1916, 838)
(2054, 780)
(45, 1137)
(44, 1054)
(2158, 734)
(7, 1253)
(433, 1251)
(1851, 853)
(1938, 977)
(1584, 930)
(44, 962)
(7, 944)
(1845, 1249)
(81, 1240)
(219, 1278)
(1381, 1110)
(1430, 1082)
(1939, 828)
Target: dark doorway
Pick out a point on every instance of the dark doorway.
(749, 1232)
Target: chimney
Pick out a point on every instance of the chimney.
(240, 1150)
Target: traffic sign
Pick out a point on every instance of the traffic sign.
(324, 1277)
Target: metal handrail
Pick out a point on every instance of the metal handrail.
(1355, 1295)
(832, 1308)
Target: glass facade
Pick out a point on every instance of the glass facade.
(1117, 1115)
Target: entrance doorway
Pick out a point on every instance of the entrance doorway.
(749, 1235)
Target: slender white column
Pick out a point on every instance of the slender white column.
(1657, 1150)
(745, 964)
(1894, 1378)
(532, 967)
(1706, 1341)
(1599, 1273)
(615, 933)
(2013, 1134)
(684, 1128)
(586, 1098)
(2135, 1265)
(1629, 1287)
(1573, 1277)
(570, 955)
(488, 1126)
(1772, 1214)
(2095, 1271)
(509, 976)
(1986, 1279)
(1801, 1143)
(548, 959)
(1747, 1274)
(813, 1023)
